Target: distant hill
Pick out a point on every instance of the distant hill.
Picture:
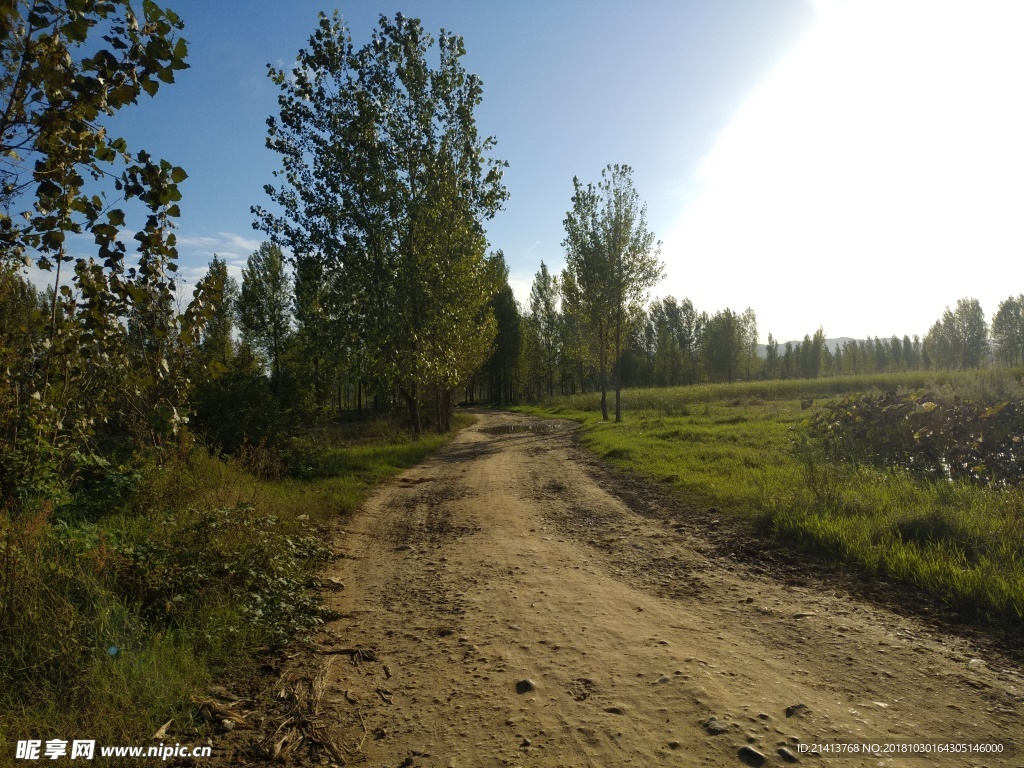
(762, 349)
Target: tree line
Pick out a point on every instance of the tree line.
(375, 286)
(671, 343)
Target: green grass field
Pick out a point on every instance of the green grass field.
(743, 448)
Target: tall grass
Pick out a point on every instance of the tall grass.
(743, 449)
(158, 578)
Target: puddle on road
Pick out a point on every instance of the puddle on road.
(513, 429)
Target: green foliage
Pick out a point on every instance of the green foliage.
(105, 360)
(264, 306)
(674, 334)
(723, 345)
(1008, 331)
(613, 261)
(232, 555)
(315, 363)
(218, 346)
(54, 144)
(502, 368)
(940, 438)
(543, 330)
(154, 578)
(238, 408)
(387, 183)
(959, 339)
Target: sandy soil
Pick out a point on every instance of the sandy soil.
(500, 607)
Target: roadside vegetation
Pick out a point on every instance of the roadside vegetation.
(151, 580)
(168, 462)
(750, 450)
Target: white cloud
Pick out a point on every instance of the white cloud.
(521, 286)
(227, 245)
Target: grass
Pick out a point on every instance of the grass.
(159, 578)
(742, 448)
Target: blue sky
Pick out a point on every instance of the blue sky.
(852, 165)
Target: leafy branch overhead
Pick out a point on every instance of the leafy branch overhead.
(108, 351)
(57, 159)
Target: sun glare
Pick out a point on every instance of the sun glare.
(879, 166)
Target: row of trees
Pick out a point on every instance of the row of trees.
(379, 207)
(671, 343)
(383, 191)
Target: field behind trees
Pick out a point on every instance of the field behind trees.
(748, 452)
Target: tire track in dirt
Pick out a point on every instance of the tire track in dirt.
(501, 560)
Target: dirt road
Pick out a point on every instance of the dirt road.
(500, 608)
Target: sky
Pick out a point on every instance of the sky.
(852, 165)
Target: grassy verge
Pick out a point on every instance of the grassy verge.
(742, 448)
(157, 578)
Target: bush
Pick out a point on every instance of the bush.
(237, 409)
(949, 439)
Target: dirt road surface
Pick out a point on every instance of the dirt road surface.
(499, 607)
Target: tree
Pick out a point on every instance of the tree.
(385, 177)
(959, 339)
(577, 345)
(788, 365)
(973, 332)
(316, 364)
(264, 306)
(666, 356)
(67, 67)
(939, 344)
(837, 361)
(544, 323)
(218, 345)
(1008, 330)
(503, 363)
(815, 350)
(614, 261)
(909, 354)
(748, 332)
(57, 157)
(771, 360)
(53, 101)
(723, 345)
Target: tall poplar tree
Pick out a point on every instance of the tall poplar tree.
(503, 363)
(1008, 330)
(264, 306)
(614, 261)
(545, 322)
(385, 177)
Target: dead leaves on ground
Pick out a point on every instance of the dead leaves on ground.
(304, 722)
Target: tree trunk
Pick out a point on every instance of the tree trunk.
(413, 402)
(603, 357)
(617, 369)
